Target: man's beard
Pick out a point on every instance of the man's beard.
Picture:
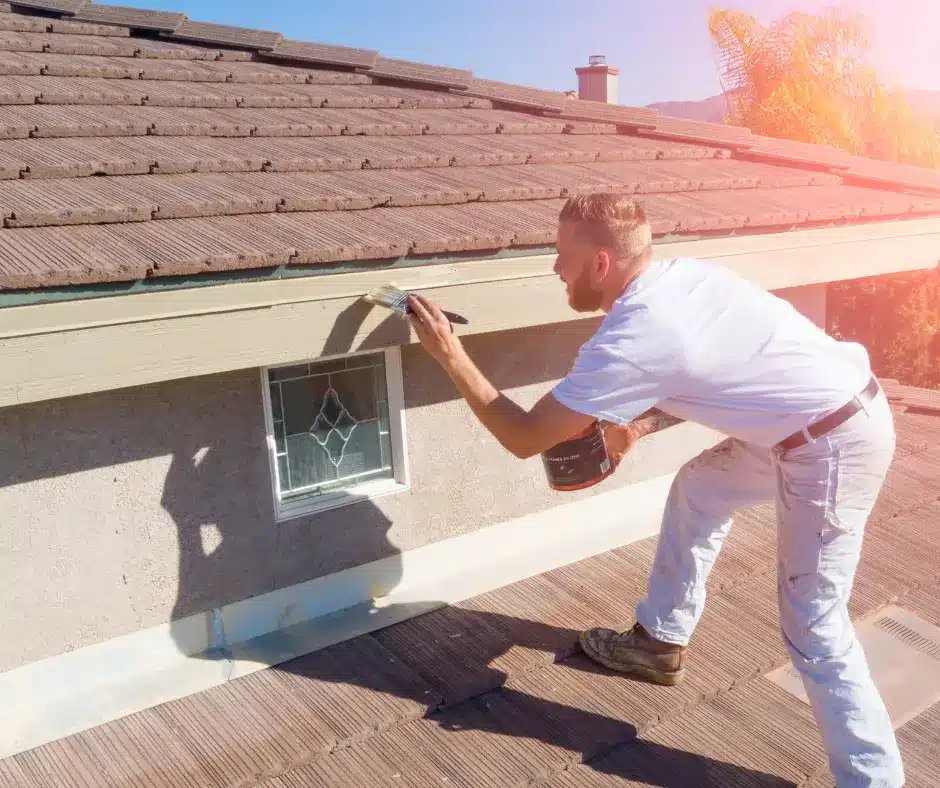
(582, 297)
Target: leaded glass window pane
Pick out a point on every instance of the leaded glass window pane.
(331, 424)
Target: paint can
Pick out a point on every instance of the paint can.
(579, 462)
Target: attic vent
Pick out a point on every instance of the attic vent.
(905, 634)
(903, 654)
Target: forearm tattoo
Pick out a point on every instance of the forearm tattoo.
(654, 420)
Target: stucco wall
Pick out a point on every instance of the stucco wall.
(130, 508)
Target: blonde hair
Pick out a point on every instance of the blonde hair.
(611, 221)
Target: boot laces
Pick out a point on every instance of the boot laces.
(635, 630)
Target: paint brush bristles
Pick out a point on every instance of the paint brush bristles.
(392, 298)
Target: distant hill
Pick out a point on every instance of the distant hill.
(714, 108)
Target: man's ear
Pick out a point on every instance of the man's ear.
(603, 261)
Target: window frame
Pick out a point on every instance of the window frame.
(400, 481)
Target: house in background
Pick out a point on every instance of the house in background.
(216, 455)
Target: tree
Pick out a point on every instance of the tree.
(804, 78)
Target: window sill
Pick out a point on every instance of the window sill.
(317, 504)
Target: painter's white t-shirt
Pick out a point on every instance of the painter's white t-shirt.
(706, 345)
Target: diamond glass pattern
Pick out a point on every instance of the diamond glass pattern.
(344, 425)
(331, 424)
(332, 407)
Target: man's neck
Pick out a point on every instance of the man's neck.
(630, 274)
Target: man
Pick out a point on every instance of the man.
(809, 428)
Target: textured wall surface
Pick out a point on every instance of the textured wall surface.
(131, 508)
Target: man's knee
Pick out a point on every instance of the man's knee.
(824, 639)
(698, 481)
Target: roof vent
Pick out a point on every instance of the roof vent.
(898, 644)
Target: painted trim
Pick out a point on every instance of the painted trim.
(62, 695)
(69, 348)
(401, 480)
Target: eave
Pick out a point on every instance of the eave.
(76, 347)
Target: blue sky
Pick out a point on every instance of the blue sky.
(662, 47)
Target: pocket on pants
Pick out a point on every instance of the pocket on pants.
(859, 476)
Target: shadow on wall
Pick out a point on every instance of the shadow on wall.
(443, 660)
(205, 491)
(547, 358)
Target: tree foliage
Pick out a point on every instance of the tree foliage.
(804, 77)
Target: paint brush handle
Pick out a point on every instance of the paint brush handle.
(453, 317)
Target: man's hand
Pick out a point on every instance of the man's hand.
(434, 331)
(620, 438)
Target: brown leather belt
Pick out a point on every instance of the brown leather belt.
(833, 420)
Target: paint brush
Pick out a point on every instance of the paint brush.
(392, 298)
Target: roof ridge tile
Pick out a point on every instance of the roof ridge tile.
(327, 54)
(139, 18)
(227, 35)
(61, 6)
(422, 73)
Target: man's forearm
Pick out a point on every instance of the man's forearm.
(652, 421)
(509, 423)
(506, 420)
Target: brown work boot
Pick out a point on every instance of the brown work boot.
(636, 653)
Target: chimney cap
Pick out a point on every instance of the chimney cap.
(597, 60)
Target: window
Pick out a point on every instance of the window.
(335, 431)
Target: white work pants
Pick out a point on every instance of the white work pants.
(824, 492)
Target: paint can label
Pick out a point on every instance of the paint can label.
(579, 462)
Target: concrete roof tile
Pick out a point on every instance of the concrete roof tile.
(421, 73)
(90, 66)
(29, 203)
(182, 70)
(84, 90)
(197, 122)
(697, 131)
(227, 35)
(177, 50)
(21, 42)
(60, 256)
(64, 6)
(324, 53)
(24, 24)
(517, 95)
(598, 111)
(69, 44)
(137, 18)
(193, 246)
(73, 158)
(87, 29)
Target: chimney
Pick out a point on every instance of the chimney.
(597, 81)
